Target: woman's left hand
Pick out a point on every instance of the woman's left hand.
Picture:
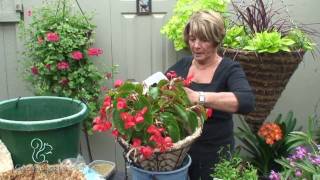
(192, 95)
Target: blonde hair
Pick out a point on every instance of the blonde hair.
(207, 26)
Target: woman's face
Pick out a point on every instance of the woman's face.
(201, 50)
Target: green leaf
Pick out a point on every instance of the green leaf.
(171, 125)
(193, 120)
(117, 122)
(154, 92)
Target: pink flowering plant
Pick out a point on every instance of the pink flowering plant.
(151, 119)
(304, 160)
(59, 55)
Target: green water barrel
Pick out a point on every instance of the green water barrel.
(41, 129)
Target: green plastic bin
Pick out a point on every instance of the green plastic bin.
(41, 128)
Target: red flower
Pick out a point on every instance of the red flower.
(63, 65)
(171, 74)
(188, 81)
(115, 133)
(129, 124)
(152, 129)
(94, 51)
(118, 83)
(64, 81)
(139, 118)
(77, 55)
(52, 37)
(103, 126)
(121, 104)
(146, 151)
(97, 120)
(136, 142)
(209, 112)
(34, 70)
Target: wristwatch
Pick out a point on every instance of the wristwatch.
(202, 98)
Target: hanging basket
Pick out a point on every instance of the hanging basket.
(268, 75)
(167, 161)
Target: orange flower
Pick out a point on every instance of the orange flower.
(271, 132)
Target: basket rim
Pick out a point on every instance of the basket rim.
(243, 51)
(177, 145)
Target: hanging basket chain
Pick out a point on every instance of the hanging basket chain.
(64, 5)
(82, 11)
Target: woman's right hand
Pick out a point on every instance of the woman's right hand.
(192, 95)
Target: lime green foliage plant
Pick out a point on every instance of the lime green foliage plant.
(174, 28)
(234, 168)
(251, 25)
(149, 120)
(58, 54)
(268, 144)
(270, 42)
(266, 30)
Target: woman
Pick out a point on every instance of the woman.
(217, 83)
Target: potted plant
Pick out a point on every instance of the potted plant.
(269, 143)
(154, 125)
(269, 49)
(304, 161)
(58, 54)
(234, 168)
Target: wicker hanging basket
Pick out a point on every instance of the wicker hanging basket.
(167, 161)
(268, 75)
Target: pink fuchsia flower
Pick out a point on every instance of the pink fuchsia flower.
(34, 70)
(77, 55)
(118, 83)
(63, 65)
(94, 51)
(146, 151)
(171, 74)
(52, 37)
